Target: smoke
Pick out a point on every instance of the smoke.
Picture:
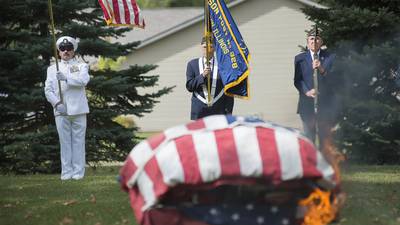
(367, 86)
(368, 73)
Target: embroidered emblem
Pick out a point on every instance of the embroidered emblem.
(74, 69)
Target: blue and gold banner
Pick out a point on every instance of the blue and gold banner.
(231, 51)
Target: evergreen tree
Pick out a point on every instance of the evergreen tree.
(365, 35)
(28, 138)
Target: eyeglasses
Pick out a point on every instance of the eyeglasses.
(66, 48)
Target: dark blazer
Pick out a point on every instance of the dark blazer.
(303, 81)
(194, 82)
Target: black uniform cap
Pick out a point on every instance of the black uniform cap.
(66, 43)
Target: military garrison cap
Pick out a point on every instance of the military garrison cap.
(314, 32)
(203, 40)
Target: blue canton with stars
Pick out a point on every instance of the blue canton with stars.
(238, 214)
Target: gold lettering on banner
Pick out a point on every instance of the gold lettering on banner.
(213, 5)
(233, 60)
(221, 31)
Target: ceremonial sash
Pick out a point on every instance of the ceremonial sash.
(214, 71)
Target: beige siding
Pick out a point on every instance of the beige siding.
(272, 29)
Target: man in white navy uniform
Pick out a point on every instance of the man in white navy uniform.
(70, 111)
(197, 74)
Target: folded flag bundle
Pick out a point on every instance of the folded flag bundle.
(223, 168)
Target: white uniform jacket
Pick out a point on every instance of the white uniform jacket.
(73, 89)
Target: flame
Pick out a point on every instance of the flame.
(333, 156)
(322, 207)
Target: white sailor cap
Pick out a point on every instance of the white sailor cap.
(67, 40)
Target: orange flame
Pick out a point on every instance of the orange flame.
(333, 156)
(322, 207)
(320, 210)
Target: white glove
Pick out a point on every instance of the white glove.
(60, 108)
(60, 76)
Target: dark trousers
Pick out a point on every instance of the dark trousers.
(309, 128)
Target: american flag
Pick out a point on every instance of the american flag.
(212, 152)
(122, 12)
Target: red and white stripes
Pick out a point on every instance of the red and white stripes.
(122, 12)
(210, 149)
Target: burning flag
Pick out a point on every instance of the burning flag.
(122, 13)
(237, 170)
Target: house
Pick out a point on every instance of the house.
(272, 30)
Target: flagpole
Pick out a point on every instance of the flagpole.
(207, 35)
(54, 43)
(316, 88)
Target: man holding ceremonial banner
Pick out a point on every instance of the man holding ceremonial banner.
(228, 65)
(197, 74)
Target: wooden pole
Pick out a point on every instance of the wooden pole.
(316, 88)
(54, 44)
(207, 35)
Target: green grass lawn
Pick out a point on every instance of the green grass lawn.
(373, 195)
(373, 198)
(45, 200)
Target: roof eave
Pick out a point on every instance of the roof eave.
(180, 26)
(312, 4)
(199, 18)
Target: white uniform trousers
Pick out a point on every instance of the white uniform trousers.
(72, 131)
